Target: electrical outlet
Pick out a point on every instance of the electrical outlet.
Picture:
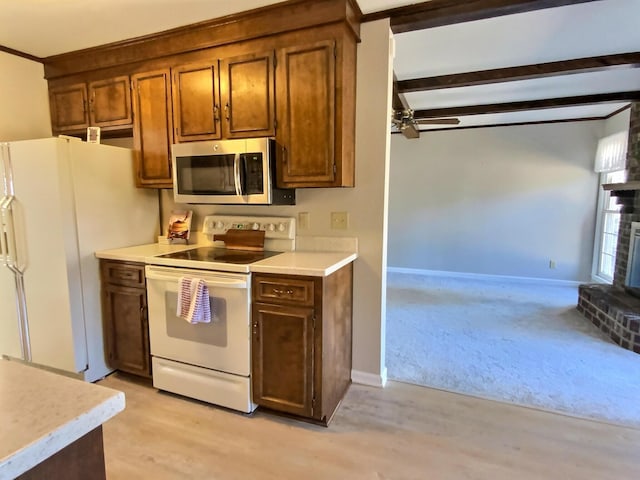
(304, 220)
(339, 220)
(552, 264)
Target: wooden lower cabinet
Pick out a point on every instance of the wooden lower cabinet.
(124, 317)
(301, 342)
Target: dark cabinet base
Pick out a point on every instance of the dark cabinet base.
(80, 460)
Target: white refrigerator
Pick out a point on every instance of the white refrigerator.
(63, 199)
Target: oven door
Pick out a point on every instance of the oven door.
(223, 344)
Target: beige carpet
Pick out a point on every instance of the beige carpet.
(522, 343)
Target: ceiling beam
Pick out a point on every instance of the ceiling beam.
(436, 13)
(527, 105)
(526, 72)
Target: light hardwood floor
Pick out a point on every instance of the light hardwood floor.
(400, 432)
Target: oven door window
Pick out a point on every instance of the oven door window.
(208, 174)
(214, 333)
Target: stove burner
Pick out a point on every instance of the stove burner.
(221, 255)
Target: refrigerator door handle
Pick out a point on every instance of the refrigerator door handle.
(8, 248)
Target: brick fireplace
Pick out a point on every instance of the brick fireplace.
(610, 307)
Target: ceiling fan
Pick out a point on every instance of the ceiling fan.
(404, 121)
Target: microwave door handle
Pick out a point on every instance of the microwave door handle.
(236, 174)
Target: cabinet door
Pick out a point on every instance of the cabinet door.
(306, 85)
(126, 329)
(110, 102)
(196, 103)
(153, 128)
(247, 89)
(282, 358)
(68, 106)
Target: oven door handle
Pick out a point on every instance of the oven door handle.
(217, 283)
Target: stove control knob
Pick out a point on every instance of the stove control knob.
(219, 225)
(255, 226)
(282, 227)
(271, 227)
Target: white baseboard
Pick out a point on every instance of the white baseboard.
(370, 379)
(483, 276)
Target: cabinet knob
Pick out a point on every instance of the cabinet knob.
(216, 113)
(226, 111)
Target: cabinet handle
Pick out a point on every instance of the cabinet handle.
(284, 154)
(216, 113)
(91, 102)
(256, 332)
(84, 106)
(143, 313)
(288, 291)
(226, 111)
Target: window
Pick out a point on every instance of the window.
(607, 225)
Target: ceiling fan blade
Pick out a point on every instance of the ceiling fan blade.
(438, 121)
(410, 132)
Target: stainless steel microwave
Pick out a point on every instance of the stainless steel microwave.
(236, 172)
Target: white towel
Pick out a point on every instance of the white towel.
(193, 300)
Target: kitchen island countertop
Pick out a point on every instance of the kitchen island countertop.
(44, 412)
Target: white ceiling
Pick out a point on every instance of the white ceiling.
(48, 27)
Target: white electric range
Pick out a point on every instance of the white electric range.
(210, 361)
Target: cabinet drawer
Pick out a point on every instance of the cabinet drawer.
(121, 273)
(287, 290)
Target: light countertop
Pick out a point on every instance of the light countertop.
(138, 253)
(311, 263)
(320, 264)
(43, 412)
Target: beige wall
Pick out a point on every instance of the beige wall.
(496, 201)
(366, 203)
(24, 101)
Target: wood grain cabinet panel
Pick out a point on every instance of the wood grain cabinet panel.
(110, 102)
(283, 358)
(102, 103)
(68, 106)
(306, 115)
(124, 317)
(196, 102)
(153, 128)
(247, 91)
(301, 342)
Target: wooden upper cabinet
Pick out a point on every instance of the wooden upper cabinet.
(68, 105)
(247, 93)
(103, 103)
(153, 128)
(110, 102)
(196, 102)
(306, 90)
